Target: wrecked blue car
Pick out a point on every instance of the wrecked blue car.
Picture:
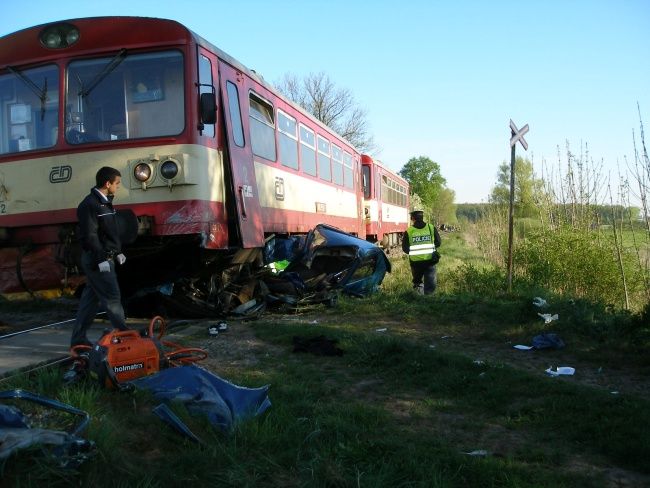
(323, 262)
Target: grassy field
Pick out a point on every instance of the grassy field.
(429, 392)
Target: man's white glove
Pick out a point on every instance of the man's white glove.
(104, 267)
(121, 258)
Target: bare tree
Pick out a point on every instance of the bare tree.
(332, 105)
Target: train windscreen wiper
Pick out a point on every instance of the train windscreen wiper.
(41, 93)
(108, 69)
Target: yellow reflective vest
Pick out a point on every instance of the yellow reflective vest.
(421, 245)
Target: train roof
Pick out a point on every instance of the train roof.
(369, 160)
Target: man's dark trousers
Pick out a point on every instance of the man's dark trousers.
(424, 270)
(101, 291)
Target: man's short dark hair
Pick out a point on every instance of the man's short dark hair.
(106, 174)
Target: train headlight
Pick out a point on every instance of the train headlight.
(52, 40)
(72, 37)
(59, 36)
(142, 172)
(169, 169)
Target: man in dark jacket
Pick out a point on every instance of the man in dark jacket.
(102, 249)
(420, 242)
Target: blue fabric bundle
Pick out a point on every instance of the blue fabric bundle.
(202, 392)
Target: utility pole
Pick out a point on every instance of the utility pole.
(515, 135)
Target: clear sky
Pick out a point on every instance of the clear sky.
(438, 78)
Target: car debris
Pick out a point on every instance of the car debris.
(548, 318)
(547, 340)
(561, 371)
(289, 273)
(67, 448)
(477, 453)
(540, 302)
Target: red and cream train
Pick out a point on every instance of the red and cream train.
(214, 160)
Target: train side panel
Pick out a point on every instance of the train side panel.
(385, 204)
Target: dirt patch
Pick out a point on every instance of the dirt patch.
(236, 348)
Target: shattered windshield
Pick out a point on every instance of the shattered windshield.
(29, 108)
(124, 96)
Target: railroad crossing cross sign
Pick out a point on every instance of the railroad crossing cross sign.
(518, 135)
(515, 135)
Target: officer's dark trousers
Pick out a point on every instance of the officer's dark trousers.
(424, 270)
(101, 292)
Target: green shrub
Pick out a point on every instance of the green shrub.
(578, 263)
(485, 281)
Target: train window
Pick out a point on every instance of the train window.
(27, 121)
(262, 125)
(324, 164)
(307, 150)
(205, 80)
(337, 165)
(387, 191)
(235, 113)
(125, 96)
(288, 140)
(366, 181)
(348, 175)
(378, 188)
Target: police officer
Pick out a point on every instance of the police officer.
(102, 250)
(420, 242)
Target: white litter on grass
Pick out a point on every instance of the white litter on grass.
(548, 318)
(432, 346)
(521, 347)
(383, 329)
(445, 337)
(614, 392)
(478, 362)
(539, 302)
(561, 370)
(478, 453)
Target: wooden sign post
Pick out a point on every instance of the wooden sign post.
(515, 135)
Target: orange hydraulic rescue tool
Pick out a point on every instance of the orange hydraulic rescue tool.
(122, 356)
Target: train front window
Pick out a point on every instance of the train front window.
(125, 97)
(29, 109)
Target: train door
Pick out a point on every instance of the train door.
(234, 97)
(359, 189)
(379, 197)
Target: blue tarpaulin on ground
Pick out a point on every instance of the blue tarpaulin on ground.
(202, 392)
